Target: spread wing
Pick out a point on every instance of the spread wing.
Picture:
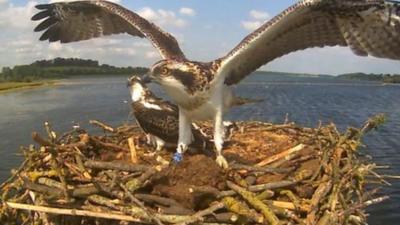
(368, 27)
(83, 20)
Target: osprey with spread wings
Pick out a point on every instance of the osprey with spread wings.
(202, 90)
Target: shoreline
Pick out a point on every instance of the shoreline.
(6, 87)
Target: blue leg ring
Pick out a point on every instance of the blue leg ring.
(178, 157)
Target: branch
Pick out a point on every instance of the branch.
(73, 212)
(281, 155)
(252, 199)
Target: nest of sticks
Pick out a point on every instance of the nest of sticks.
(279, 174)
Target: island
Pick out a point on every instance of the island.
(44, 72)
(384, 78)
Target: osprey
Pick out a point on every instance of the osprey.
(202, 90)
(159, 119)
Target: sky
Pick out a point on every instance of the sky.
(205, 29)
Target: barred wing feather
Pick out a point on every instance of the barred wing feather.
(367, 27)
(83, 20)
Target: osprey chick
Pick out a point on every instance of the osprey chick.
(159, 119)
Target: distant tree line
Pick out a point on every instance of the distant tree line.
(66, 62)
(385, 78)
(61, 67)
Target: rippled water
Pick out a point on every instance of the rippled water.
(305, 100)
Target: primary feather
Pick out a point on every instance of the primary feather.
(368, 27)
(83, 20)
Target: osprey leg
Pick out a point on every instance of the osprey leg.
(219, 138)
(185, 135)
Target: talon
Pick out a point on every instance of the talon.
(177, 157)
(221, 161)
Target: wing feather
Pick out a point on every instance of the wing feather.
(84, 20)
(161, 123)
(367, 27)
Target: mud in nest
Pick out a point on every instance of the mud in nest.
(278, 174)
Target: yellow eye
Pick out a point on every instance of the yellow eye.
(164, 71)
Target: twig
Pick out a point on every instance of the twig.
(240, 208)
(132, 149)
(256, 203)
(321, 191)
(261, 169)
(108, 145)
(199, 215)
(73, 212)
(115, 166)
(40, 140)
(157, 199)
(102, 125)
(50, 133)
(261, 187)
(380, 177)
(281, 155)
(390, 176)
(140, 204)
(363, 205)
(139, 182)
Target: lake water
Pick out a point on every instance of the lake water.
(305, 100)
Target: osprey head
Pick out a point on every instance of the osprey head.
(137, 88)
(172, 73)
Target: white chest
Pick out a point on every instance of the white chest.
(204, 106)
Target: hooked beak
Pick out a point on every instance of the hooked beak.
(146, 78)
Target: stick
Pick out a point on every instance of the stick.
(137, 183)
(261, 169)
(108, 145)
(48, 191)
(281, 155)
(272, 185)
(254, 188)
(157, 199)
(390, 176)
(102, 125)
(222, 218)
(289, 205)
(115, 166)
(40, 140)
(380, 178)
(242, 209)
(141, 205)
(199, 215)
(363, 205)
(321, 192)
(252, 199)
(72, 212)
(132, 149)
(52, 135)
(175, 210)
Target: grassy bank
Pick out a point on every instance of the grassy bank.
(7, 86)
